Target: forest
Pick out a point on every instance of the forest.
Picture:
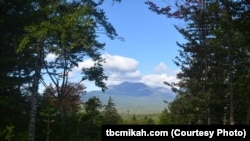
(214, 62)
(213, 82)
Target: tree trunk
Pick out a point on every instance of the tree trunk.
(230, 62)
(204, 26)
(34, 95)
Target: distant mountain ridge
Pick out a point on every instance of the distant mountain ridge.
(130, 89)
(136, 97)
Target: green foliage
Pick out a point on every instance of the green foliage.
(91, 120)
(15, 68)
(9, 129)
(165, 117)
(110, 114)
(48, 114)
(149, 121)
(84, 123)
(212, 62)
(141, 119)
(30, 31)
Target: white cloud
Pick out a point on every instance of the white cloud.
(117, 77)
(161, 68)
(119, 63)
(50, 57)
(129, 71)
(156, 80)
(117, 68)
(112, 63)
(85, 64)
(120, 69)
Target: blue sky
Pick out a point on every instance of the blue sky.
(149, 46)
(149, 38)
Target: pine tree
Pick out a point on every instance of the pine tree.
(110, 113)
(209, 60)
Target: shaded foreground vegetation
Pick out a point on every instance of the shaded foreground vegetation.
(214, 61)
(78, 121)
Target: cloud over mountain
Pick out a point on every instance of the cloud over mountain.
(120, 63)
(120, 69)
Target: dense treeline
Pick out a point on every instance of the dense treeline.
(79, 122)
(30, 31)
(214, 62)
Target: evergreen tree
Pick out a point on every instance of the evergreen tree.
(209, 61)
(91, 120)
(15, 69)
(165, 117)
(110, 114)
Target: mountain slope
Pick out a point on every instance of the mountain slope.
(137, 98)
(130, 89)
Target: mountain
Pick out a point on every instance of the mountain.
(137, 98)
(130, 89)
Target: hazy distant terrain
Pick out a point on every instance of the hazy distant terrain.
(137, 98)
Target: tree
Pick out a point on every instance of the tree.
(148, 120)
(133, 119)
(209, 60)
(15, 68)
(91, 120)
(194, 56)
(67, 108)
(110, 114)
(68, 29)
(165, 117)
(48, 114)
(69, 103)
